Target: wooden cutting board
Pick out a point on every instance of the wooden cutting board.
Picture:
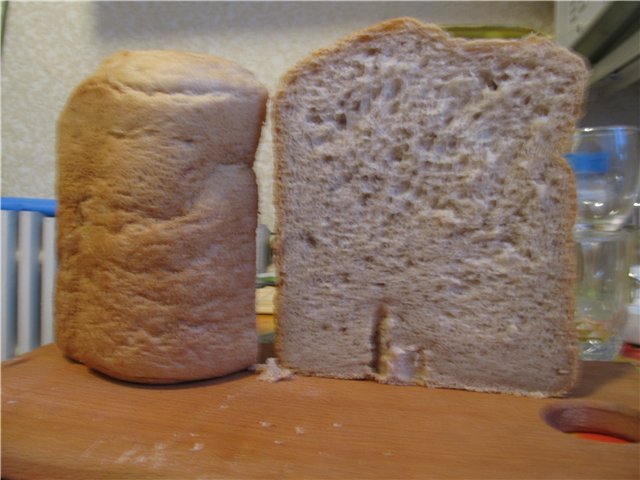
(61, 420)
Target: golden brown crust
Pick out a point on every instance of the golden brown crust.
(157, 217)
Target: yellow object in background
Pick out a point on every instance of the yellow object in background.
(470, 31)
(264, 300)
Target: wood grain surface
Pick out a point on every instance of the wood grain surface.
(62, 420)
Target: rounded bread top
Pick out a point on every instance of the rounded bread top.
(174, 72)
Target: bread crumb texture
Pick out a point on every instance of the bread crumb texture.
(157, 217)
(425, 211)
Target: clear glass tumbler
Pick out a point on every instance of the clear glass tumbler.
(605, 161)
(603, 291)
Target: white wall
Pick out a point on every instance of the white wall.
(51, 46)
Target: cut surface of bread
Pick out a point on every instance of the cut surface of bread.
(157, 217)
(424, 211)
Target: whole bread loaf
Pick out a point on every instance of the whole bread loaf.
(157, 217)
(424, 211)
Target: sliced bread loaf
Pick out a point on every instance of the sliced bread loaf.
(424, 211)
(157, 217)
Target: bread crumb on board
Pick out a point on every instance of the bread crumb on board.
(272, 372)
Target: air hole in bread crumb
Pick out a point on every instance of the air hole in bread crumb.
(392, 88)
(541, 110)
(310, 240)
(488, 79)
(555, 183)
(419, 191)
(341, 120)
(396, 154)
(320, 139)
(405, 133)
(374, 182)
(465, 161)
(444, 166)
(313, 118)
(372, 51)
(427, 141)
(400, 188)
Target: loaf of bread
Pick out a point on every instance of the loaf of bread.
(157, 217)
(424, 211)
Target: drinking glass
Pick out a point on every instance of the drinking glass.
(603, 291)
(605, 162)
